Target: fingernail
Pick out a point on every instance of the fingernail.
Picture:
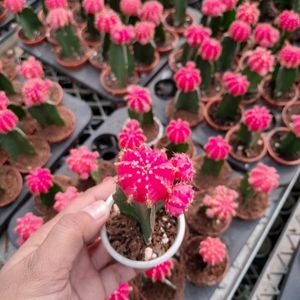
(97, 210)
(108, 178)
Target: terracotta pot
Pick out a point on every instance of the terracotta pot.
(178, 30)
(33, 42)
(41, 16)
(211, 122)
(243, 159)
(114, 91)
(174, 58)
(3, 15)
(242, 61)
(94, 62)
(287, 112)
(171, 45)
(251, 100)
(60, 93)
(82, 35)
(72, 64)
(51, 38)
(275, 156)
(147, 69)
(218, 95)
(273, 102)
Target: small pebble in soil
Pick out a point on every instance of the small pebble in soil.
(259, 142)
(148, 253)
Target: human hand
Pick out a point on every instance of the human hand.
(56, 263)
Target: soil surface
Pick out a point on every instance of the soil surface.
(285, 97)
(111, 82)
(171, 17)
(168, 41)
(151, 131)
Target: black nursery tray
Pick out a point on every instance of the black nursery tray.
(83, 115)
(242, 238)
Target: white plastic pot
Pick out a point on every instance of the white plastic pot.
(160, 133)
(135, 264)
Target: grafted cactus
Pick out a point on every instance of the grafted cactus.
(213, 251)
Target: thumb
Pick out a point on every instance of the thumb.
(71, 233)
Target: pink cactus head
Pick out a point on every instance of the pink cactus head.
(222, 204)
(239, 31)
(195, 34)
(152, 12)
(180, 198)
(288, 21)
(131, 136)
(3, 100)
(213, 8)
(106, 20)
(248, 12)
(39, 181)
(261, 61)
(130, 7)
(138, 99)
(82, 161)
(210, 49)
(263, 178)
(289, 57)
(217, 148)
(296, 124)
(178, 131)
(229, 4)
(183, 167)
(257, 118)
(31, 68)
(265, 35)
(63, 199)
(14, 6)
(188, 78)
(212, 250)
(160, 272)
(144, 32)
(122, 34)
(26, 226)
(93, 6)
(145, 175)
(121, 293)
(8, 121)
(52, 4)
(59, 18)
(36, 91)
(236, 83)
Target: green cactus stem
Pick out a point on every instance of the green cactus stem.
(15, 143)
(285, 80)
(230, 48)
(180, 12)
(92, 31)
(207, 72)
(176, 148)
(228, 18)
(17, 110)
(6, 85)
(188, 101)
(246, 137)
(48, 199)
(46, 114)
(144, 119)
(44, 8)
(290, 145)
(245, 189)
(253, 78)
(229, 106)
(160, 35)
(144, 54)
(211, 167)
(188, 53)
(29, 22)
(115, 5)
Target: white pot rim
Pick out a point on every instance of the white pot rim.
(135, 264)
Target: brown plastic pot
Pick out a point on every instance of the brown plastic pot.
(147, 69)
(276, 156)
(171, 45)
(72, 64)
(286, 112)
(32, 42)
(56, 86)
(243, 159)
(178, 30)
(174, 58)
(211, 122)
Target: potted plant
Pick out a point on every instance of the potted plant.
(130, 9)
(224, 114)
(145, 55)
(248, 12)
(26, 226)
(206, 260)
(186, 105)
(31, 30)
(253, 190)
(280, 89)
(139, 104)
(177, 139)
(288, 111)
(209, 52)
(70, 53)
(165, 281)
(56, 123)
(63, 199)
(44, 186)
(90, 169)
(131, 136)
(284, 143)
(32, 68)
(104, 22)
(212, 169)
(120, 73)
(164, 39)
(123, 292)
(78, 11)
(178, 19)
(150, 201)
(248, 144)
(211, 213)
(89, 33)
(194, 36)
(24, 152)
(49, 5)
(265, 35)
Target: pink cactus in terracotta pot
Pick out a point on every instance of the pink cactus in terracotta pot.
(121, 293)
(160, 272)
(265, 35)
(212, 251)
(248, 12)
(63, 199)
(31, 68)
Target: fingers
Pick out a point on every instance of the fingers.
(99, 256)
(114, 275)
